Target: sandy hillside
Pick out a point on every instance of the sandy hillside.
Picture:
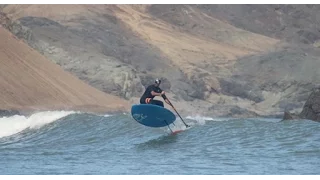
(29, 81)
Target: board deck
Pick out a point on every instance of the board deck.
(152, 115)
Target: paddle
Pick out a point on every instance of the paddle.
(164, 97)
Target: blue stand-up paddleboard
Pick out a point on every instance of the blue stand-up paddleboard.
(152, 115)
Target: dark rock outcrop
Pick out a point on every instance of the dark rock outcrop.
(15, 27)
(8, 113)
(311, 109)
(289, 116)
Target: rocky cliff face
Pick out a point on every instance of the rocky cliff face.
(16, 28)
(221, 60)
(311, 108)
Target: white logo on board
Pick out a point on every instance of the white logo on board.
(139, 117)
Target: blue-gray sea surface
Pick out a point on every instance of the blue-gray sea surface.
(78, 143)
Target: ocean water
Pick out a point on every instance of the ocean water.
(60, 142)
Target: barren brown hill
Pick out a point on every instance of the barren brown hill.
(30, 82)
(220, 60)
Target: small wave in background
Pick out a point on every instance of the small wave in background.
(15, 124)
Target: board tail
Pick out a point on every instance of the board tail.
(176, 132)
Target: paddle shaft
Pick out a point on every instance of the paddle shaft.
(177, 112)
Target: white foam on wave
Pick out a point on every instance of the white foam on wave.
(110, 115)
(194, 120)
(202, 119)
(197, 119)
(15, 124)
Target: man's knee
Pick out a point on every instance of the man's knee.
(159, 103)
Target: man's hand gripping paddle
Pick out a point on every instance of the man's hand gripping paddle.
(164, 97)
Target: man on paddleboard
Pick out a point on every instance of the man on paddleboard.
(152, 91)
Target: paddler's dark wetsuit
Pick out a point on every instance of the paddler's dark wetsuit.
(147, 97)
